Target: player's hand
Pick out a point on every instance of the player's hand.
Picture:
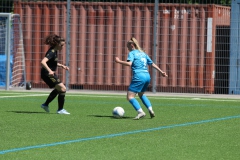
(65, 67)
(164, 74)
(51, 73)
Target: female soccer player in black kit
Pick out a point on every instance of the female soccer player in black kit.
(48, 75)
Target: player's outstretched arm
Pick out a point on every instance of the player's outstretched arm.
(126, 63)
(63, 66)
(164, 74)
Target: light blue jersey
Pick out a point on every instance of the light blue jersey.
(140, 61)
(140, 77)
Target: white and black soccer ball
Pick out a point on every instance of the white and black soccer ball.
(118, 112)
(28, 86)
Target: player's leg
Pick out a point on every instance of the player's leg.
(131, 98)
(135, 87)
(50, 81)
(50, 98)
(61, 98)
(143, 97)
(147, 103)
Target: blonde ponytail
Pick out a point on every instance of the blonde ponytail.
(135, 42)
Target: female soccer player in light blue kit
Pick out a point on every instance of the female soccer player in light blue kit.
(139, 61)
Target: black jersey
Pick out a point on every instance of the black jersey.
(52, 57)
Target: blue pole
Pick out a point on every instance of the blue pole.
(234, 69)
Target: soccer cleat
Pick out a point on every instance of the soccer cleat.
(43, 106)
(151, 114)
(63, 111)
(140, 115)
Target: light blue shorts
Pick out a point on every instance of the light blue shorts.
(140, 82)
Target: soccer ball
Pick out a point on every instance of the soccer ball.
(118, 112)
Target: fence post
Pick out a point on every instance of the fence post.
(154, 58)
(68, 41)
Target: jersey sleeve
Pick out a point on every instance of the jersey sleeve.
(49, 55)
(149, 61)
(130, 57)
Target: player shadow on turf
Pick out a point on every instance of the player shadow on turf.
(29, 112)
(107, 116)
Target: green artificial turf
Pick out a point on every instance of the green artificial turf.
(183, 129)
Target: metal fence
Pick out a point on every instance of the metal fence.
(191, 42)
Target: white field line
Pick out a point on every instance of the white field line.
(122, 96)
(32, 95)
(180, 98)
(12, 93)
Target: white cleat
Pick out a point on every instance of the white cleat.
(63, 111)
(140, 115)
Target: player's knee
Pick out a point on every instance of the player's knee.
(62, 89)
(129, 97)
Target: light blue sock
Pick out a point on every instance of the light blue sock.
(146, 101)
(135, 104)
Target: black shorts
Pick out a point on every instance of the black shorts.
(51, 81)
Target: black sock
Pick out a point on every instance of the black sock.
(51, 97)
(61, 99)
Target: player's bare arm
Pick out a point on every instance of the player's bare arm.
(126, 63)
(44, 64)
(164, 74)
(63, 66)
